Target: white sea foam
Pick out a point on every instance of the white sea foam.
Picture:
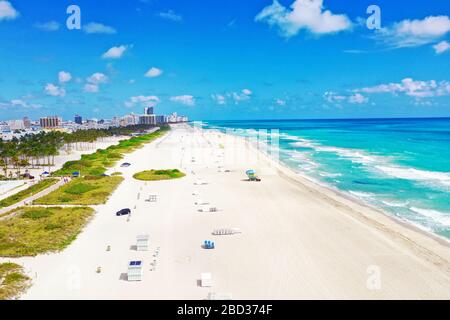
(330, 175)
(441, 218)
(415, 174)
(396, 204)
(361, 194)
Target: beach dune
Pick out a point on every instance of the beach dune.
(297, 240)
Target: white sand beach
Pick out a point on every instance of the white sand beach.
(298, 241)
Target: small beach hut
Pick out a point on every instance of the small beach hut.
(135, 271)
(251, 174)
(75, 174)
(142, 242)
(206, 280)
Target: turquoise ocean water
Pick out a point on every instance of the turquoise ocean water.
(399, 165)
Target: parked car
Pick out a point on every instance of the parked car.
(125, 165)
(123, 212)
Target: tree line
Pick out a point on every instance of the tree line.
(39, 150)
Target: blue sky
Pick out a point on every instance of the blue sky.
(225, 59)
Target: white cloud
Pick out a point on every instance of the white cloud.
(64, 77)
(94, 82)
(441, 47)
(91, 88)
(144, 101)
(14, 103)
(95, 27)
(153, 72)
(97, 78)
(303, 14)
(412, 88)
(280, 102)
(171, 15)
(219, 99)
(358, 98)
(187, 100)
(54, 91)
(48, 26)
(412, 33)
(115, 52)
(7, 11)
(240, 96)
(243, 95)
(334, 98)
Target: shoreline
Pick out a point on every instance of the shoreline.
(301, 177)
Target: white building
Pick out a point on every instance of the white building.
(16, 125)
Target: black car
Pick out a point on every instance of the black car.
(125, 165)
(123, 212)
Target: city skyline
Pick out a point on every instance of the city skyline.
(225, 60)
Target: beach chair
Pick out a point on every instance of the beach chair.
(209, 245)
(226, 231)
(152, 198)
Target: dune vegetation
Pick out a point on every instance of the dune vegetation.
(89, 190)
(38, 187)
(36, 230)
(13, 281)
(155, 175)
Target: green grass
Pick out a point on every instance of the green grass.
(155, 175)
(44, 184)
(91, 190)
(13, 281)
(36, 231)
(97, 163)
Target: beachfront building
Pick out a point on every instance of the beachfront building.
(130, 120)
(26, 122)
(16, 125)
(78, 119)
(161, 119)
(147, 119)
(50, 122)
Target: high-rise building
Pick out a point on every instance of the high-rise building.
(27, 122)
(78, 119)
(149, 110)
(160, 119)
(148, 119)
(50, 122)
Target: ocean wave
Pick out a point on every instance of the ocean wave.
(441, 218)
(330, 175)
(361, 194)
(416, 174)
(396, 204)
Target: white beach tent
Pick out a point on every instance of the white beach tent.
(135, 271)
(142, 242)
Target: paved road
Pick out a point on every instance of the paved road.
(30, 199)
